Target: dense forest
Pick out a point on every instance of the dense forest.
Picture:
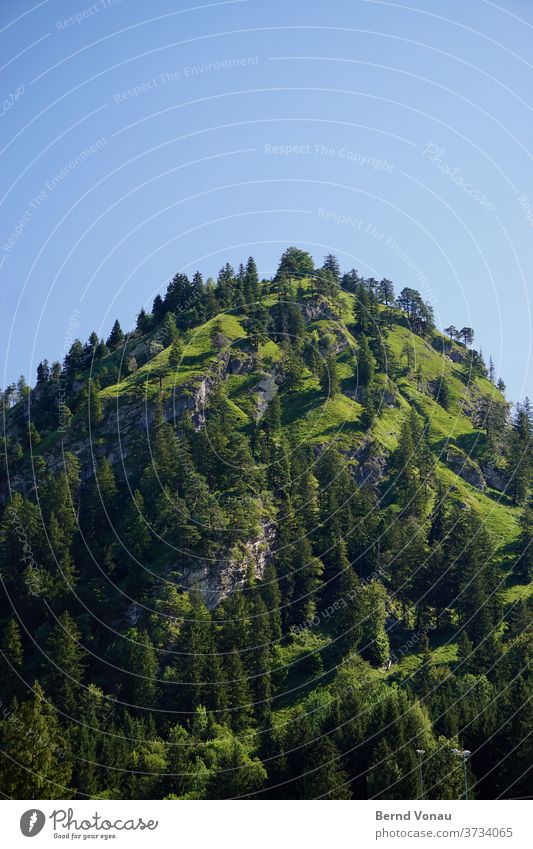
(273, 543)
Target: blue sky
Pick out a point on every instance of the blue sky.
(142, 139)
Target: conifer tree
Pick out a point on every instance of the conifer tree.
(158, 309)
(270, 593)
(240, 700)
(251, 282)
(365, 362)
(65, 669)
(12, 644)
(95, 407)
(144, 321)
(35, 759)
(324, 777)
(375, 643)
(307, 578)
(116, 337)
(524, 563)
(261, 660)
(169, 330)
(521, 452)
(176, 354)
(331, 265)
(348, 620)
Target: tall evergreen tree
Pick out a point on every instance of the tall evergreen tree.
(116, 337)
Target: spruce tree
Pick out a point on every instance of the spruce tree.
(375, 642)
(116, 337)
(324, 777)
(65, 668)
(35, 759)
(176, 354)
(365, 362)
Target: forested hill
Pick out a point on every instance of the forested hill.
(269, 544)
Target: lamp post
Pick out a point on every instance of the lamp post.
(421, 753)
(464, 754)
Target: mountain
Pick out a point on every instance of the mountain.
(272, 543)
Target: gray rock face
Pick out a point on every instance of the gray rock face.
(316, 308)
(215, 580)
(465, 468)
(241, 363)
(495, 478)
(456, 356)
(123, 421)
(371, 465)
(265, 391)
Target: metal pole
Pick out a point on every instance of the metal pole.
(464, 754)
(420, 753)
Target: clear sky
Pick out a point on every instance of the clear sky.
(139, 139)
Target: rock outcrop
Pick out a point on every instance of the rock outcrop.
(219, 578)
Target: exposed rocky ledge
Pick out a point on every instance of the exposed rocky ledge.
(218, 579)
(465, 467)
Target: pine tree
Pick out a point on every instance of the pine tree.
(169, 330)
(270, 593)
(384, 777)
(35, 762)
(467, 335)
(295, 262)
(225, 285)
(331, 265)
(158, 309)
(43, 373)
(521, 453)
(465, 650)
(176, 354)
(386, 292)
(197, 644)
(293, 370)
(209, 299)
(234, 772)
(261, 660)
(116, 337)
(73, 363)
(135, 534)
(478, 602)
(144, 321)
(307, 577)
(12, 644)
(179, 298)
(86, 741)
(240, 701)
(133, 654)
(365, 362)
(100, 503)
(375, 643)
(65, 669)
(251, 282)
(524, 561)
(324, 777)
(348, 620)
(95, 406)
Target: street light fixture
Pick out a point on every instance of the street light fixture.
(464, 754)
(421, 753)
